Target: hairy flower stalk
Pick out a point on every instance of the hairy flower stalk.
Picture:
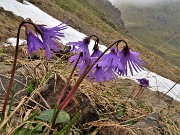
(48, 41)
(13, 71)
(78, 82)
(67, 82)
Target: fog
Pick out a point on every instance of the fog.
(140, 2)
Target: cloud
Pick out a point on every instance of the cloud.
(139, 2)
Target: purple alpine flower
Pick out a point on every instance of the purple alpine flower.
(96, 53)
(143, 82)
(130, 59)
(50, 38)
(82, 64)
(100, 74)
(81, 47)
(33, 42)
(111, 61)
(73, 48)
(73, 59)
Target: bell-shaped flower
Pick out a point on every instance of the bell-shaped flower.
(50, 38)
(53, 32)
(130, 59)
(143, 82)
(82, 64)
(81, 47)
(100, 74)
(33, 42)
(111, 61)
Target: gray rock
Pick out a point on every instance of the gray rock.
(81, 101)
(142, 128)
(150, 125)
(19, 82)
(115, 130)
(153, 120)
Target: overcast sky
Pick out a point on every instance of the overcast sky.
(140, 2)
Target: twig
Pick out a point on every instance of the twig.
(15, 110)
(47, 105)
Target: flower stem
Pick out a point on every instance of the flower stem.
(80, 79)
(68, 80)
(12, 73)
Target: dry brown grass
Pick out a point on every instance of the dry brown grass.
(107, 96)
(8, 24)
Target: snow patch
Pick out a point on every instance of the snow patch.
(12, 42)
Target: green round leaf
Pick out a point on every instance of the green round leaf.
(48, 114)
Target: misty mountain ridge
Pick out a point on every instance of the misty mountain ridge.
(157, 27)
(142, 3)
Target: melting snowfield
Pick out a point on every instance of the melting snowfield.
(27, 10)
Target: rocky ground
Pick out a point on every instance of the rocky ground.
(106, 108)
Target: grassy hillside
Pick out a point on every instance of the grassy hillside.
(8, 24)
(86, 19)
(157, 27)
(85, 16)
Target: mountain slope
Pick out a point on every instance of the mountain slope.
(78, 18)
(156, 26)
(8, 24)
(82, 17)
(86, 16)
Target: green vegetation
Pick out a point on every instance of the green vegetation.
(86, 16)
(86, 11)
(157, 27)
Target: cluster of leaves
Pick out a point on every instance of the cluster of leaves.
(39, 124)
